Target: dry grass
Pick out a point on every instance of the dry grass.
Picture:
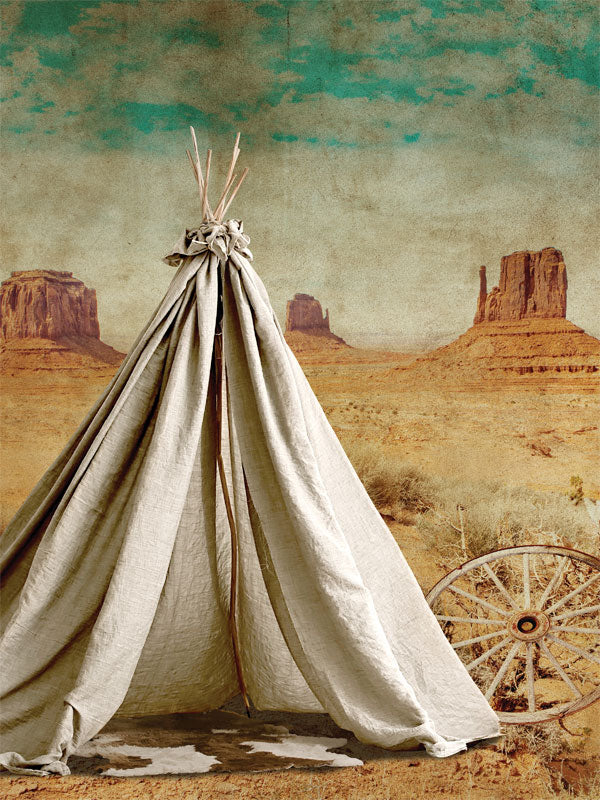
(462, 520)
(493, 516)
(592, 792)
(547, 741)
(458, 520)
(393, 485)
(554, 750)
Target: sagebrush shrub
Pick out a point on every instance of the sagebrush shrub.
(483, 515)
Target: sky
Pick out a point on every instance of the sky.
(393, 147)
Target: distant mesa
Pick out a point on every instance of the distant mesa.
(304, 313)
(533, 284)
(306, 328)
(47, 304)
(520, 328)
(49, 320)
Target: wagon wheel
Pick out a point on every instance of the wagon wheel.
(526, 628)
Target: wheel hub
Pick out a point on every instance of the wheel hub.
(529, 626)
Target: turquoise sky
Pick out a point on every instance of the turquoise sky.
(393, 147)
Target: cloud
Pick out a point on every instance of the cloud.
(219, 65)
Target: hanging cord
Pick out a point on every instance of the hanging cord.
(218, 362)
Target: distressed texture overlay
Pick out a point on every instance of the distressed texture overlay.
(394, 147)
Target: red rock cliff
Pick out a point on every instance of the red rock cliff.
(304, 313)
(532, 284)
(306, 329)
(480, 315)
(46, 304)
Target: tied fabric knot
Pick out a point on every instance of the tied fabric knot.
(221, 238)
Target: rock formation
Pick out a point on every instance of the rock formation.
(519, 329)
(532, 285)
(304, 313)
(505, 348)
(480, 315)
(46, 304)
(305, 326)
(49, 320)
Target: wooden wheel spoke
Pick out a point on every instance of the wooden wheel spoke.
(471, 620)
(477, 639)
(502, 671)
(554, 581)
(478, 600)
(573, 648)
(572, 594)
(546, 651)
(501, 587)
(526, 582)
(555, 586)
(530, 677)
(484, 657)
(576, 612)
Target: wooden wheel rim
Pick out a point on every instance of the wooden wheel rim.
(531, 627)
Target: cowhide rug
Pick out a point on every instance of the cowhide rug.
(221, 741)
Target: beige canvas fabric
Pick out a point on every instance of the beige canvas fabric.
(117, 566)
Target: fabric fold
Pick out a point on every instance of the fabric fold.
(117, 567)
(338, 609)
(80, 619)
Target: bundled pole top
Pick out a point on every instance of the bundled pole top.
(225, 239)
(230, 189)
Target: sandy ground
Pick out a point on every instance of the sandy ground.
(536, 433)
(475, 775)
(531, 433)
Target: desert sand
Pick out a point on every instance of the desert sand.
(533, 430)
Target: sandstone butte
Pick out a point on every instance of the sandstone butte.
(533, 285)
(520, 328)
(49, 320)
(306, 329)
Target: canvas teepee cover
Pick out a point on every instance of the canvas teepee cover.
(120, 567)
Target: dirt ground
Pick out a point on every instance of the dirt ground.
(475, 775)
(531, 432)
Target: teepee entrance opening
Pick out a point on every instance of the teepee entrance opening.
(220, 388)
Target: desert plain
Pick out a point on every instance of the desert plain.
(535, 430)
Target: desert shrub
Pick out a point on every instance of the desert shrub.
(576, 492)
(483, 516)
(589, 792)
(392, 484)
(495, 516)
(546, 741)
(553, 748)
(403, 515)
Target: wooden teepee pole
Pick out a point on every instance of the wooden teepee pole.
(234, 192)
(218, 361)
(202, 180)
(205, 205)
(229, 179)
(217, 216)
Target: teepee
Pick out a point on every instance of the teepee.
(203, 534)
